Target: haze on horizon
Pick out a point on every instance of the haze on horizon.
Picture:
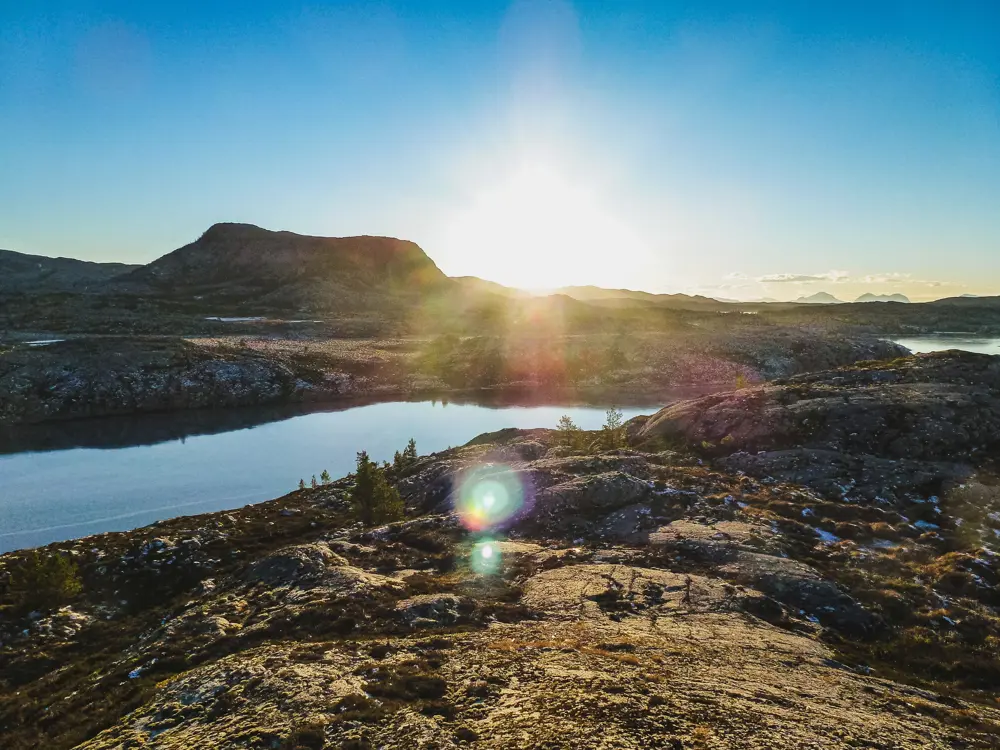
(846, 147)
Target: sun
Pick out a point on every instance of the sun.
(539, 229)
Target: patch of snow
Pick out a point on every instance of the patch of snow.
(44, 342)
(235, 320)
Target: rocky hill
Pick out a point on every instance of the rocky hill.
(256, 266)
(36, 274)
(603, 597)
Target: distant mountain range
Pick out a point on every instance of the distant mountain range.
(242, 266)
(869, 297)
(825, 298)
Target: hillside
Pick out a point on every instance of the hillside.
(37, 274)
(257, 266)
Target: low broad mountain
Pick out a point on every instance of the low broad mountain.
(476, 285)
(820, 298)
(869, 297)
(255, 266)
(968, 300)
(596, 294)
(37, 274)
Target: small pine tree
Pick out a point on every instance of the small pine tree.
(374, 499)
(44, 581)
(569, 433)
(611, 432)
(325, 477)
(302, 484)
(314, 484)
(410, 452)
(398, 462)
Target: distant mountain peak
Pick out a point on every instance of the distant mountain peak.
(869, 297)
(820, 298)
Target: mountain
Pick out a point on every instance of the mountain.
(678, 301)
(869, 297)
(260, 267)
(820, 298)
(967, 300)
(476, 285)
(20, 273)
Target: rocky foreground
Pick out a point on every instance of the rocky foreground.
(768, 568)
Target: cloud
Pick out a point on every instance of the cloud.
(798, 278)
(886, 278)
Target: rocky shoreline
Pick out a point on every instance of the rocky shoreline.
(88, 377)
(728, 579)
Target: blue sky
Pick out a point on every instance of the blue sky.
(739, 149)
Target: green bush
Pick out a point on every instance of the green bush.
(45, 581)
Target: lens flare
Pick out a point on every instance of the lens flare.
(489, 497)
(486, 558)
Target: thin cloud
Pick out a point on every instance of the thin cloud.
(799, 278)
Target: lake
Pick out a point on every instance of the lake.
(940, 342)
(62, 481)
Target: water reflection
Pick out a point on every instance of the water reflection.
(160, 466)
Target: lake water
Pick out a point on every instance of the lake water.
(69, 483)
(940, 342)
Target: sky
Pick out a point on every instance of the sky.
(743, 150)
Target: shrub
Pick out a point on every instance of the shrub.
(44, 581)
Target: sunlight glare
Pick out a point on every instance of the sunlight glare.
(538, 229)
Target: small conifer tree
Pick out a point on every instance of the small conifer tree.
(325, 477)
(569, 433)
(613, 428)
(410, 452)
(374, 499)
(302, 484)
(314, 484)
